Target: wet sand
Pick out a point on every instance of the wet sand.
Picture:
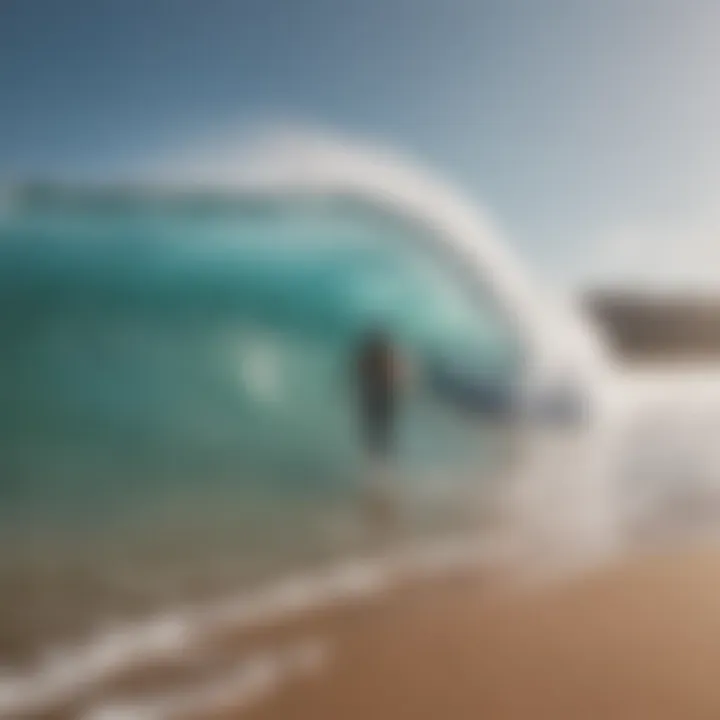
(637, 640)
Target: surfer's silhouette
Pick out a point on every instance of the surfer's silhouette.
(377, 389)
(377, 371)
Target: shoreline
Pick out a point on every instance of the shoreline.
(70, 676)
(455, 634)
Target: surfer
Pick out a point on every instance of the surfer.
(378, 379)
(377, 388)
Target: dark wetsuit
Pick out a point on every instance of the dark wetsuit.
(377, 394)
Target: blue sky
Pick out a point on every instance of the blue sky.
(588, 127)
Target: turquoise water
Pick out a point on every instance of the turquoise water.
(176, 406)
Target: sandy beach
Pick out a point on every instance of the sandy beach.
(640, 639)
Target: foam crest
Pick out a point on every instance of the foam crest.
(287, 160)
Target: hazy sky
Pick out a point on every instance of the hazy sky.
(590, 128)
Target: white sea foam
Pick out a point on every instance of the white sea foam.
(251, 681)
(73, 671)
